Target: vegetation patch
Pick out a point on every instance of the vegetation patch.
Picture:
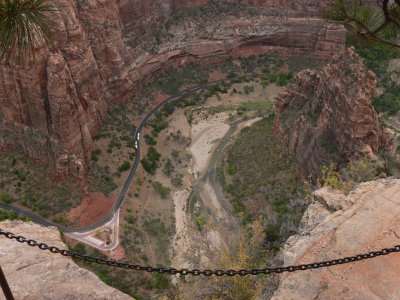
(101, 179)
(280, 78)
(125, 166)
(260, 179)
(377, 57)
(163, 191)
(157, 229)
(200, 219)
(33, 186)
(12, 215)
(354, 173)
(151, 161)
(6, 198)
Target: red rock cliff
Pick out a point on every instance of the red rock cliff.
(61, 98)
(56, 104)
(327, 116)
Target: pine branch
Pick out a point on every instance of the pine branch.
(380, 24)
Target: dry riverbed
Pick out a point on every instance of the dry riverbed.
(194, 220)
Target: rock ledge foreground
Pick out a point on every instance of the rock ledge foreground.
(36, 274)
(335, 226)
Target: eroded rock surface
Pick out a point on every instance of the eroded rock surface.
(336, 226)
(327, 115)
(36, 274)
(55, 105)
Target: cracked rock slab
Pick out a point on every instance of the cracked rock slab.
(367, 219)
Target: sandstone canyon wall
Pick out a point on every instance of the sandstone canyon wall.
(34, 274)
(327, 116)
(53, 107)
(140, 18)
(57, 102)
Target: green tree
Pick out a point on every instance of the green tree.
(151, 160)
(24, 24)
(124, 167)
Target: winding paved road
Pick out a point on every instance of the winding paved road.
(120, 199)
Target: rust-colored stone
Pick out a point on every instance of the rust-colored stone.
(327, 116)
(61, 98)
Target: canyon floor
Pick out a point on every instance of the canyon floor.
(215, 178)
(193, 221)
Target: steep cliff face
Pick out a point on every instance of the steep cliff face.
(53, 107)
(141, 19)
(36, 274)
(336, 226)
(327, 115)
(62, 95)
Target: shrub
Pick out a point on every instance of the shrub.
(358, 171)
(59, 219)
(11, 215)
(280, 78)
(114, 142)
(149, 140)
(155, 227)
(353, 173)
(281, 208)
(162, 190)
(130, 219)
(168, 168)
(148, 166)
(80, 248)
(177, 179)
(160, 281)
(158, 124)
(201, 220)
(230, 169)
(151, 160)
(330, 177)
(95, 155)
(175, 153)
(248, 89)
(6, 198)
(388, 102)
(124, 167)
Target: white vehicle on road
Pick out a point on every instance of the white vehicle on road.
(136, 145)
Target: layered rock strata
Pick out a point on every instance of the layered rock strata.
(336, 226)
(55, 105)
(141, 18)
(327, 116)
(36, 274)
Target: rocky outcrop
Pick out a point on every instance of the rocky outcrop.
(336, 226)
(61, 97)
(140, 18)
(70, 164)
(327, 116)
(36, 274)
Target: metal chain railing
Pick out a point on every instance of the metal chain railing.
(184, 272)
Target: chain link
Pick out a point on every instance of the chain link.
(185, 272)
